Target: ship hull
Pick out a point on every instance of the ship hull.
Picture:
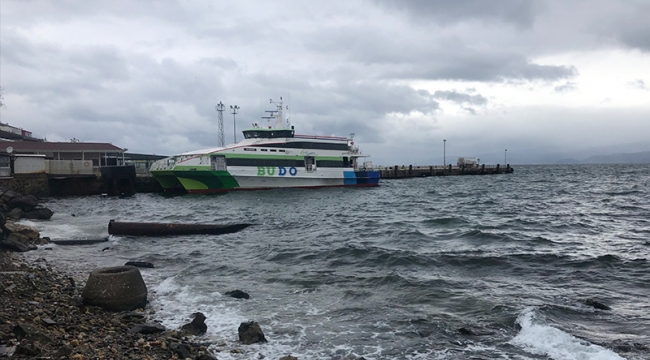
(260, 178)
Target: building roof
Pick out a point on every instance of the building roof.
(32, 146)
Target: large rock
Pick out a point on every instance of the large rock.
(17, 246)
(250, 333)
(39, 214)
(16, 214)
(26, 203)
(197, 326)
(8, 196)
(31, 233)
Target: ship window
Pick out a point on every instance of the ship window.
(250, 149)
(218, 163)
(273, 150)
(310, 163)
(264, 150)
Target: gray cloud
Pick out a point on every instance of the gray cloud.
(566, 87)
(146, 76)
(519, 12)
(460, 98)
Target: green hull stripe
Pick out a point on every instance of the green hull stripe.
(167, 179)
(201, 180)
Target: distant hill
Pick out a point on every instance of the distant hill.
(621, 158)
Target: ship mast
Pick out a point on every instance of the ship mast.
(276, 114)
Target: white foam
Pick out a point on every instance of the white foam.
(541, 339)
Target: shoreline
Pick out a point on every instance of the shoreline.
(43, 317)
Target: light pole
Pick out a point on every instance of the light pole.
(219, 108)
(233, 111)
(444, 153)
(505, 157)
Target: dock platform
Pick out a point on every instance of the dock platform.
(401, 172)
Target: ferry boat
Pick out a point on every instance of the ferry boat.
(269, 157)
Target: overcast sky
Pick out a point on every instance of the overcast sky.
(533, 77)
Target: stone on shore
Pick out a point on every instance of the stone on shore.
(250, 333)
(39, 214)
(25, 203)
(197, 326)
(15, 245)
(147, 329)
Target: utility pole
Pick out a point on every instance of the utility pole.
(222, 139)
(233, 111)
(505, 157)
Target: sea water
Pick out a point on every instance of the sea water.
(467, 267)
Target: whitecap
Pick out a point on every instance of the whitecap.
(541, 339)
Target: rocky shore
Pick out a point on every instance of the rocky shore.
(43, 317)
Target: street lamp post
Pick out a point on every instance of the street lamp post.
(444, 153)
(505, 157)
(233, 111)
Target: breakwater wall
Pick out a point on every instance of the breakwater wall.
(401, 172)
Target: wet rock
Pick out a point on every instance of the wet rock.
(466, 331)
(288, 357)
(63, 352)
(31, 333)
(31, 233)
(7, 351)
(8, 195)
(3, 219)
(238, 294)
(48, 322)
(147, 329)
(133, 317)
(26, 203)
(27, 350)
(142, 264)
(250, 333)
(14, 245)
(597, 304)
(39, 214)
(197, 326)
(16, 214)
(206, 357)
(182, 350)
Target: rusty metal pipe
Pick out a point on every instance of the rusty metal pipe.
(161, 229)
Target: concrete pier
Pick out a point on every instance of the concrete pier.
(401, 172)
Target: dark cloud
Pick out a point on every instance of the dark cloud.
(632, 27)
(518, 12)
(383, 55)
(461, 98)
